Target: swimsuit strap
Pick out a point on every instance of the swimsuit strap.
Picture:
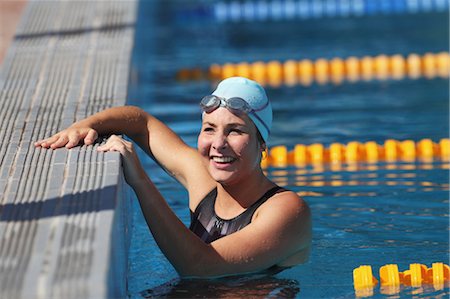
(251, 210)
(209, 227)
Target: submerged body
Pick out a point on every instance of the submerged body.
(224, 172)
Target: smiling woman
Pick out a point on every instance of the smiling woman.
(241, 222)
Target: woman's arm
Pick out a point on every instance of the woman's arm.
(280, 231)
(153, 136)
(127, 120)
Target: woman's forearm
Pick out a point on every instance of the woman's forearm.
(182, 248)
(128, 120)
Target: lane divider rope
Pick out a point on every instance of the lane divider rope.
(288, 10)
(391, 279)
(356, 152)
(322, 71)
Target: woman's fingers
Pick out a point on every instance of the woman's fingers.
(47, 142)
(117, 144)
(62, 140)
(69, 138)
(73, 139)
(132, 167)
(91, 136)
(114, 143)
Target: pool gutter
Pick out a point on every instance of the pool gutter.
(63, 213)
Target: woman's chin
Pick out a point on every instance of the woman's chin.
(221, 176)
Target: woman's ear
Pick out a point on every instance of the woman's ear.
(264, 154)
(263, 147)
(264, 151)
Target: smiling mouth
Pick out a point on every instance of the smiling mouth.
(223, 159)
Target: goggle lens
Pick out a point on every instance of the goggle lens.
(238, 104)
(211, 102)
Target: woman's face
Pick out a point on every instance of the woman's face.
(229, 146)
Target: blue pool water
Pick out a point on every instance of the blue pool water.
(369, 215)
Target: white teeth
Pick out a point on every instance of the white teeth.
(223, 159)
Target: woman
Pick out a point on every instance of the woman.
(241, 221)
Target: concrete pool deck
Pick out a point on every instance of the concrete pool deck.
(63, 225)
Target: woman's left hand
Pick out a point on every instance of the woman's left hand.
(132, 168)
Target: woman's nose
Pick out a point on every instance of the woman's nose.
(219, 142)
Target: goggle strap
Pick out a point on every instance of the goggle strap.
(261, 121)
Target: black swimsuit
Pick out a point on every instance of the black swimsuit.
(209, 227)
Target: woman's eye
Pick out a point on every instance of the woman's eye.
(235, 131)
(208, 129)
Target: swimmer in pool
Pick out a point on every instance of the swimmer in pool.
(241, 222)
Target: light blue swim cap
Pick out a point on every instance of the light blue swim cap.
(254, 94)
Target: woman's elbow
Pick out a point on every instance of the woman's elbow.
(205, 265)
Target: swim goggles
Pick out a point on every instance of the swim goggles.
(237, 105)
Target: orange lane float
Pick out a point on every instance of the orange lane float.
(323, 71)
(391, 278)
(355, 152)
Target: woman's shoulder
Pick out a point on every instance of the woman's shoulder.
(285, 196)
(286, 202)
(288, 218)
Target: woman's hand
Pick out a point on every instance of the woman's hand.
(70, 137)
(132, 168)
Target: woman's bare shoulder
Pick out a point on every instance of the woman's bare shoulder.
(287, 201)
(287, 211)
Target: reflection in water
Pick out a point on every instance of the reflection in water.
(255, 286)
(410, 175)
